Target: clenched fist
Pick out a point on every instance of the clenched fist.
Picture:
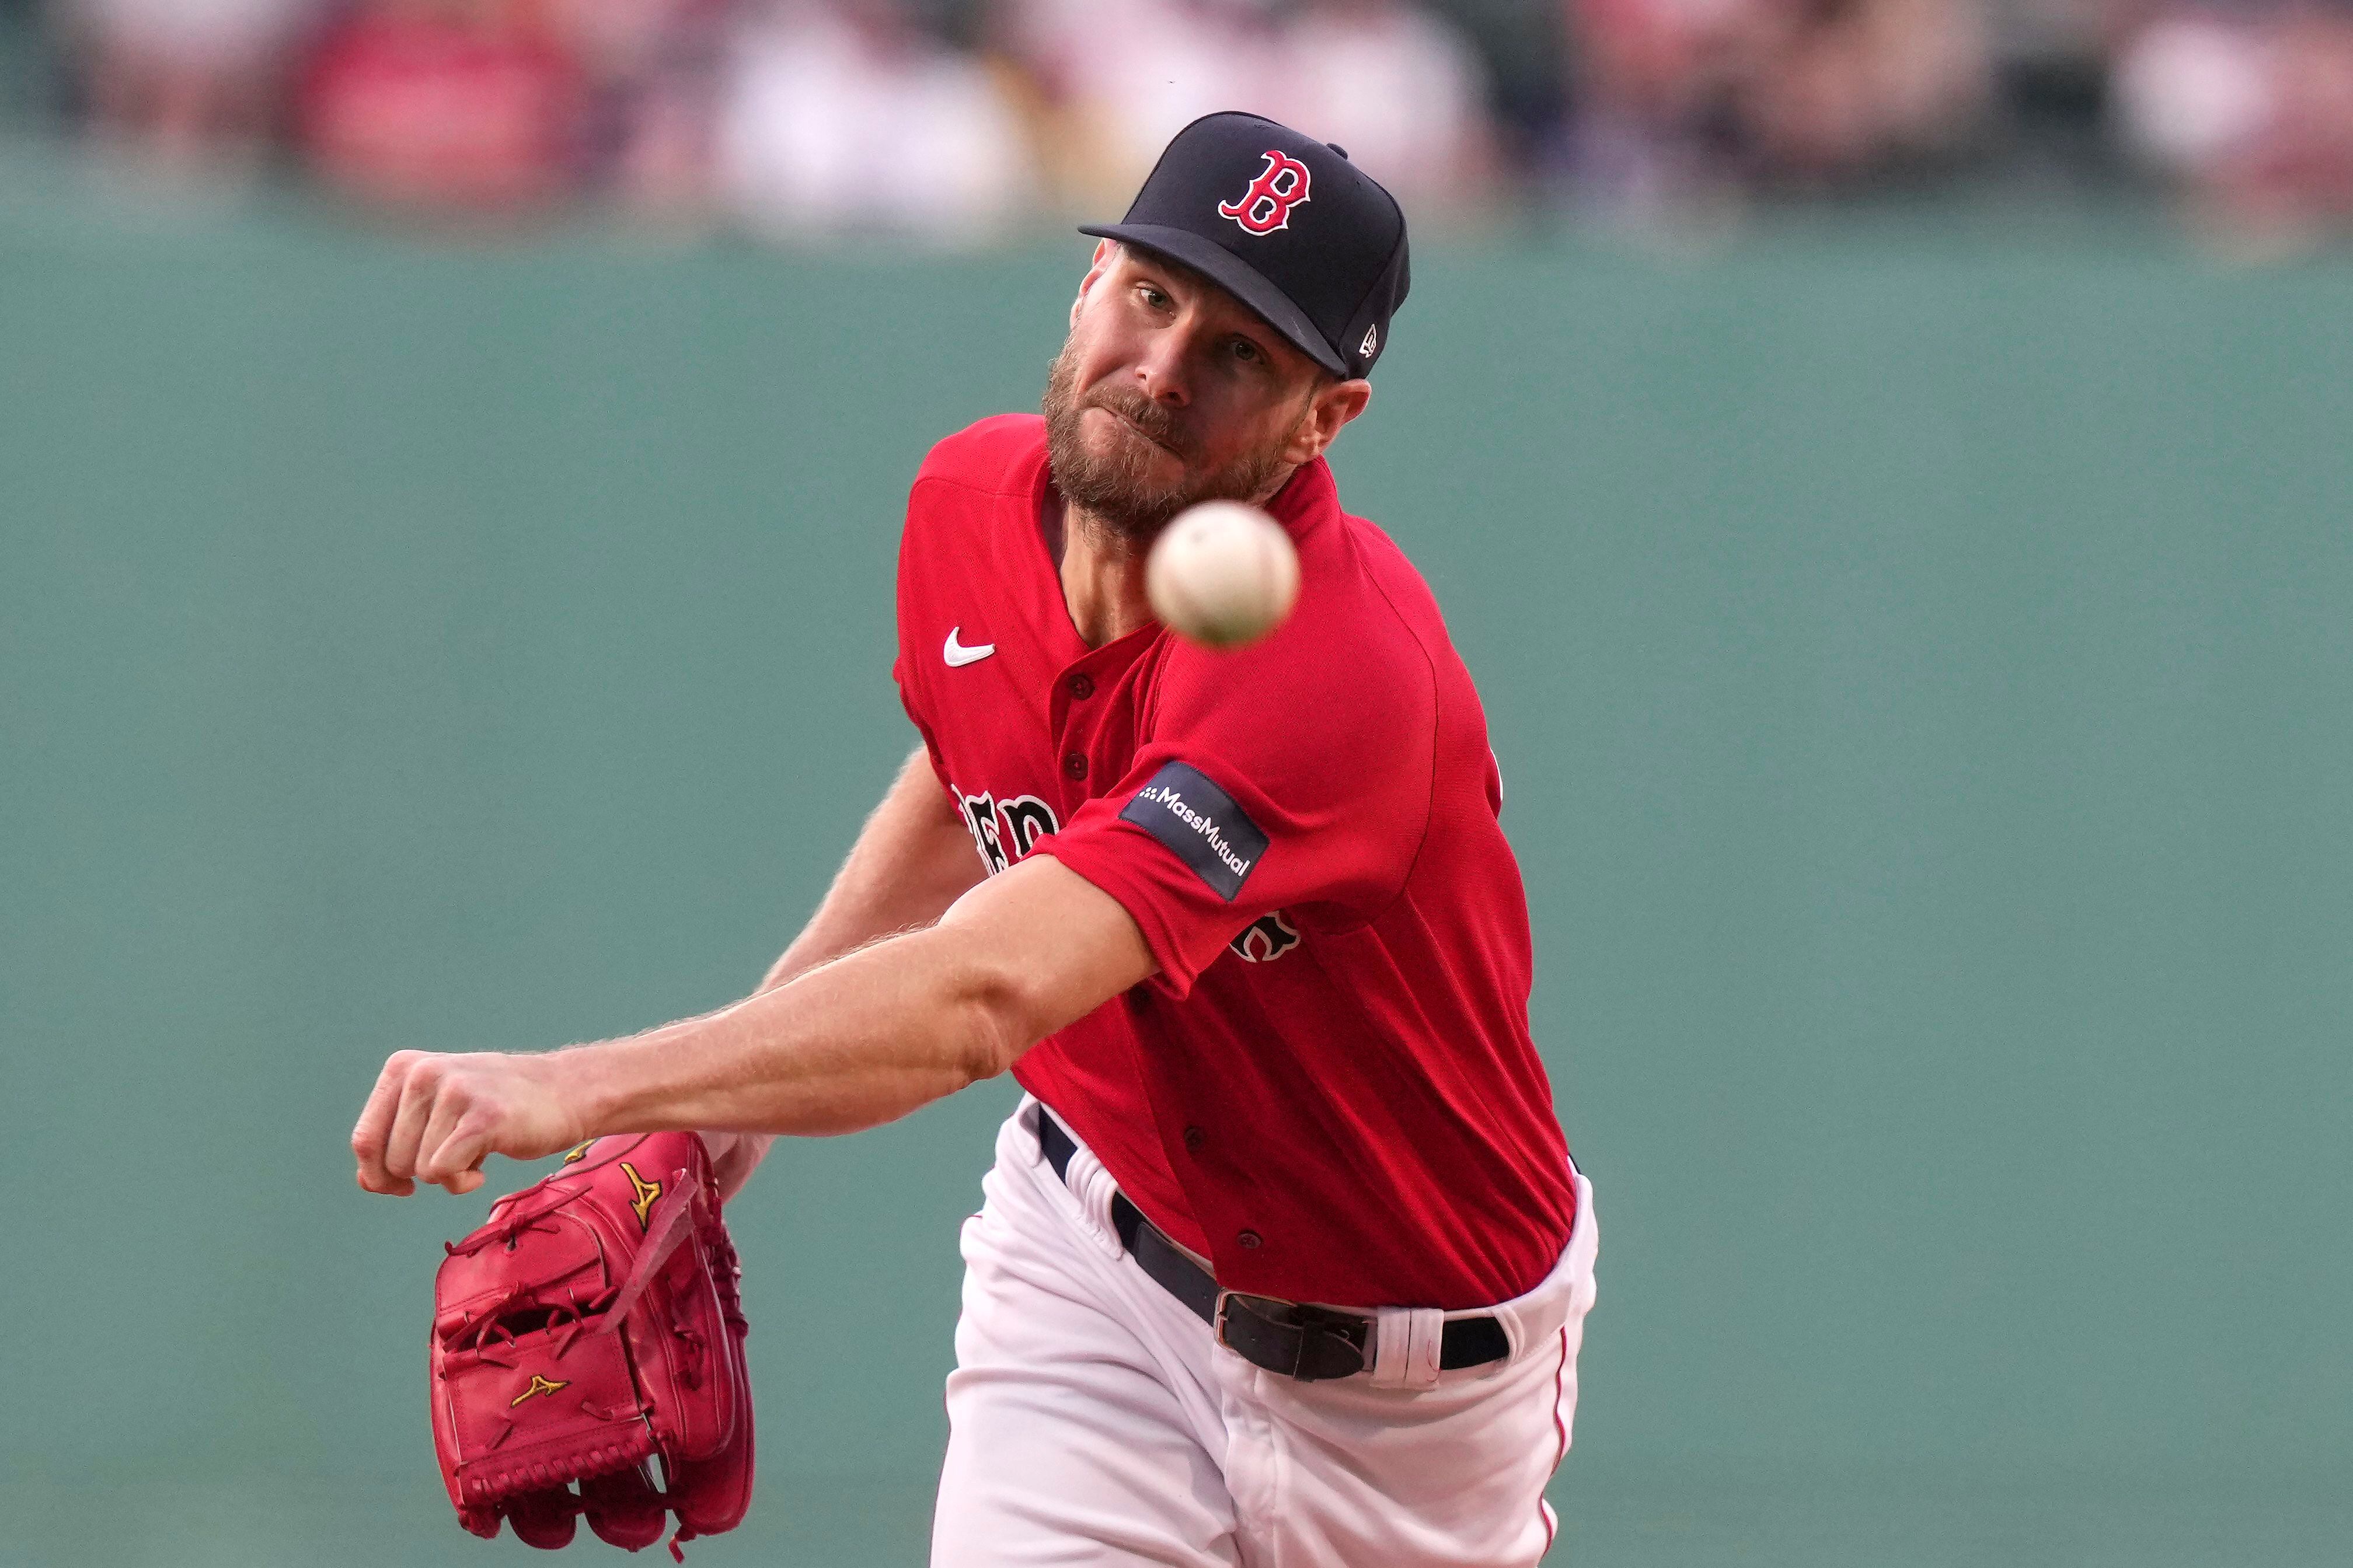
(436, 1118)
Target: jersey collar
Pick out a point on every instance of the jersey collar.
(1306, 498)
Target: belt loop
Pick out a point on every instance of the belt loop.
(1406, 1344)
(1093, 1186)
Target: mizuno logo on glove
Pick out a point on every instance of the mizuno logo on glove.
(538, 1386)
(648, 1192)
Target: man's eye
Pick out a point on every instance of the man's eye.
(1155, 298)
(1246, 352)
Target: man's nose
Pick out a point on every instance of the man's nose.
(1164, 372)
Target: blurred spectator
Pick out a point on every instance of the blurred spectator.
(652, 70)
(181, 82)
(1853, 88)
(1114, 80)
(1522, 49)
(463, 103)
(812, 118)
(1659, 122)
(1400, 90)
(2250, 107)
(1700, 94)
(846, 116)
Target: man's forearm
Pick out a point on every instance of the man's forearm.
(848, 1045)
(853, 1043)
(891, 1027)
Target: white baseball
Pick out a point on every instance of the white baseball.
(1222, 573)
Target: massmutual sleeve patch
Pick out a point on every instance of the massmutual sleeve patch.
(1182, 809)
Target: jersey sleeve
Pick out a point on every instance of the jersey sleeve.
(982, 457)
(1261, 786)
(906, 670)
(913, 699)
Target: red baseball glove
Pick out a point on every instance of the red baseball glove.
(592, 1325)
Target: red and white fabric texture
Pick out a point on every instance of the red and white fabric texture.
(1094, 1419)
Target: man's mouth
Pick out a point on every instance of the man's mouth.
(1140, 430)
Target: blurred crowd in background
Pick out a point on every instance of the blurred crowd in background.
(954, 119)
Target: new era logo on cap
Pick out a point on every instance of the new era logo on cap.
(1285, 223)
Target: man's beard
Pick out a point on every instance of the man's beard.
(1113, 487)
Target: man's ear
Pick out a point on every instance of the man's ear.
(1334, 404)
(1106, 252)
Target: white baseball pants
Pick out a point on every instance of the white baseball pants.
(1095, 1422)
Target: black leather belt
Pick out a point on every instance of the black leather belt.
(1309, 1343)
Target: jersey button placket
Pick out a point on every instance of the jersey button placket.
(1083, 686)
(1074, 765)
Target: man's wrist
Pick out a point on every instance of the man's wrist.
(587, 1084)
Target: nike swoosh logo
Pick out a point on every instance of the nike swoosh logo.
(959, 656)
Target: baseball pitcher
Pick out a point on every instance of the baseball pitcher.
(1283, 1259)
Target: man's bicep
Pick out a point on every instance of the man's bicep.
(911, 861)
(1062, 946)
(921, 788)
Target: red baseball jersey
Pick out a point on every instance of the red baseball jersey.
(1329, 1090)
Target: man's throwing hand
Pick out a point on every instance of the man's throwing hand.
(436, 1118)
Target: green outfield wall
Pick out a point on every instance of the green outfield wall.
(1919, 657)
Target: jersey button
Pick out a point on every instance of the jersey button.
(1250, 1239)
(1083, 687)
(1075, 764)
(1195, 1138)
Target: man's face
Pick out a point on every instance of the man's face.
(1170, 391)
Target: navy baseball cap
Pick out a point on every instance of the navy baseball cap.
(1286, 224)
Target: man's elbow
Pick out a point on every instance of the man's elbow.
(1007, 990)
(998, 1016)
